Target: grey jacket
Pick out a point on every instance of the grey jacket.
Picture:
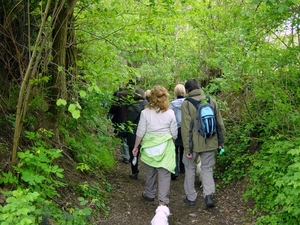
(192, 141)
(176, 107)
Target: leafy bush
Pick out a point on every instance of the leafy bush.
(275, 181)
(97, 194)
(25, 207)
(233, 165)
(20, 208)
(89, 138)
(37, 179)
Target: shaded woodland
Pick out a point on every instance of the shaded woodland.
(61, 61)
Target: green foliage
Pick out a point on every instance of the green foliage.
(36, 169)
(97, 195)
(75, 215)
(242, 50)
(82, 167)
(233, 165)
(38, 179)
(20, 208)
(274, 181)
(25, 207)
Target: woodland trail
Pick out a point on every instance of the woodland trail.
(127, 207)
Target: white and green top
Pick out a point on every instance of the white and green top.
(158, 130)
(158, 151)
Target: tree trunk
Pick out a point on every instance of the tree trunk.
(25, 90)
(59, 68)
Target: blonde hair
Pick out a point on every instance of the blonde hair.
(179, 90)
(148, 93)
(159, 99)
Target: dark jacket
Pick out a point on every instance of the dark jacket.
(133, 115)
(192, 141)
(118, 109)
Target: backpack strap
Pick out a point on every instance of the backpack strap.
(195, 102)
(208, 99)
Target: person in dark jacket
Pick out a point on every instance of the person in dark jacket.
(132, 118)
(118, 114)
(198, 145)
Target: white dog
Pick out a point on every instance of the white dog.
(162, 213)
(198, 169)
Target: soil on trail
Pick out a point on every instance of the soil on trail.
(127, 207)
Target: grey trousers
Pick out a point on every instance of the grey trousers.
(124, 149)
(164, 181)
(207, 163)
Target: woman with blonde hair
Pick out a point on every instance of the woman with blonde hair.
(148, 93)
(179, 96)
(156, 132)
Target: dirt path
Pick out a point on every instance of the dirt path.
(129, 208)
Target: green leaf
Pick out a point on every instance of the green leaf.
(82, 94)
(78, 106)
(61, 102)
(31, 178)
(76, 114)
(71, 108)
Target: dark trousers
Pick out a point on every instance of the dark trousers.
(179, 165)
(134, 168)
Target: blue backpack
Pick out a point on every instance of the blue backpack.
(206, 119)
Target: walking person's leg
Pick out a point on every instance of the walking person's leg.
(163, 186)
(134, 168)
(189, 180)
(207, 163)
(181, 165)
(175, 175)
(150, 189)
(125, 151)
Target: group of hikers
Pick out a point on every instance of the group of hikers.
(163, 135)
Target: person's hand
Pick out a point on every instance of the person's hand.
(190, 155)
(135, 151)
(221, 150)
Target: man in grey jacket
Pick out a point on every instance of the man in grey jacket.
(198, 145)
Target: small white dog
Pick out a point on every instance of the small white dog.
(162, 213)
(198, 169)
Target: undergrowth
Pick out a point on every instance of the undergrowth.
(34, 183)
(275, 181)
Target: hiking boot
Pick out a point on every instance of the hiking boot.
(209, 202)
(174, 176)
(147, 198)
(134, 175)
(190, 203)
(126, 161)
